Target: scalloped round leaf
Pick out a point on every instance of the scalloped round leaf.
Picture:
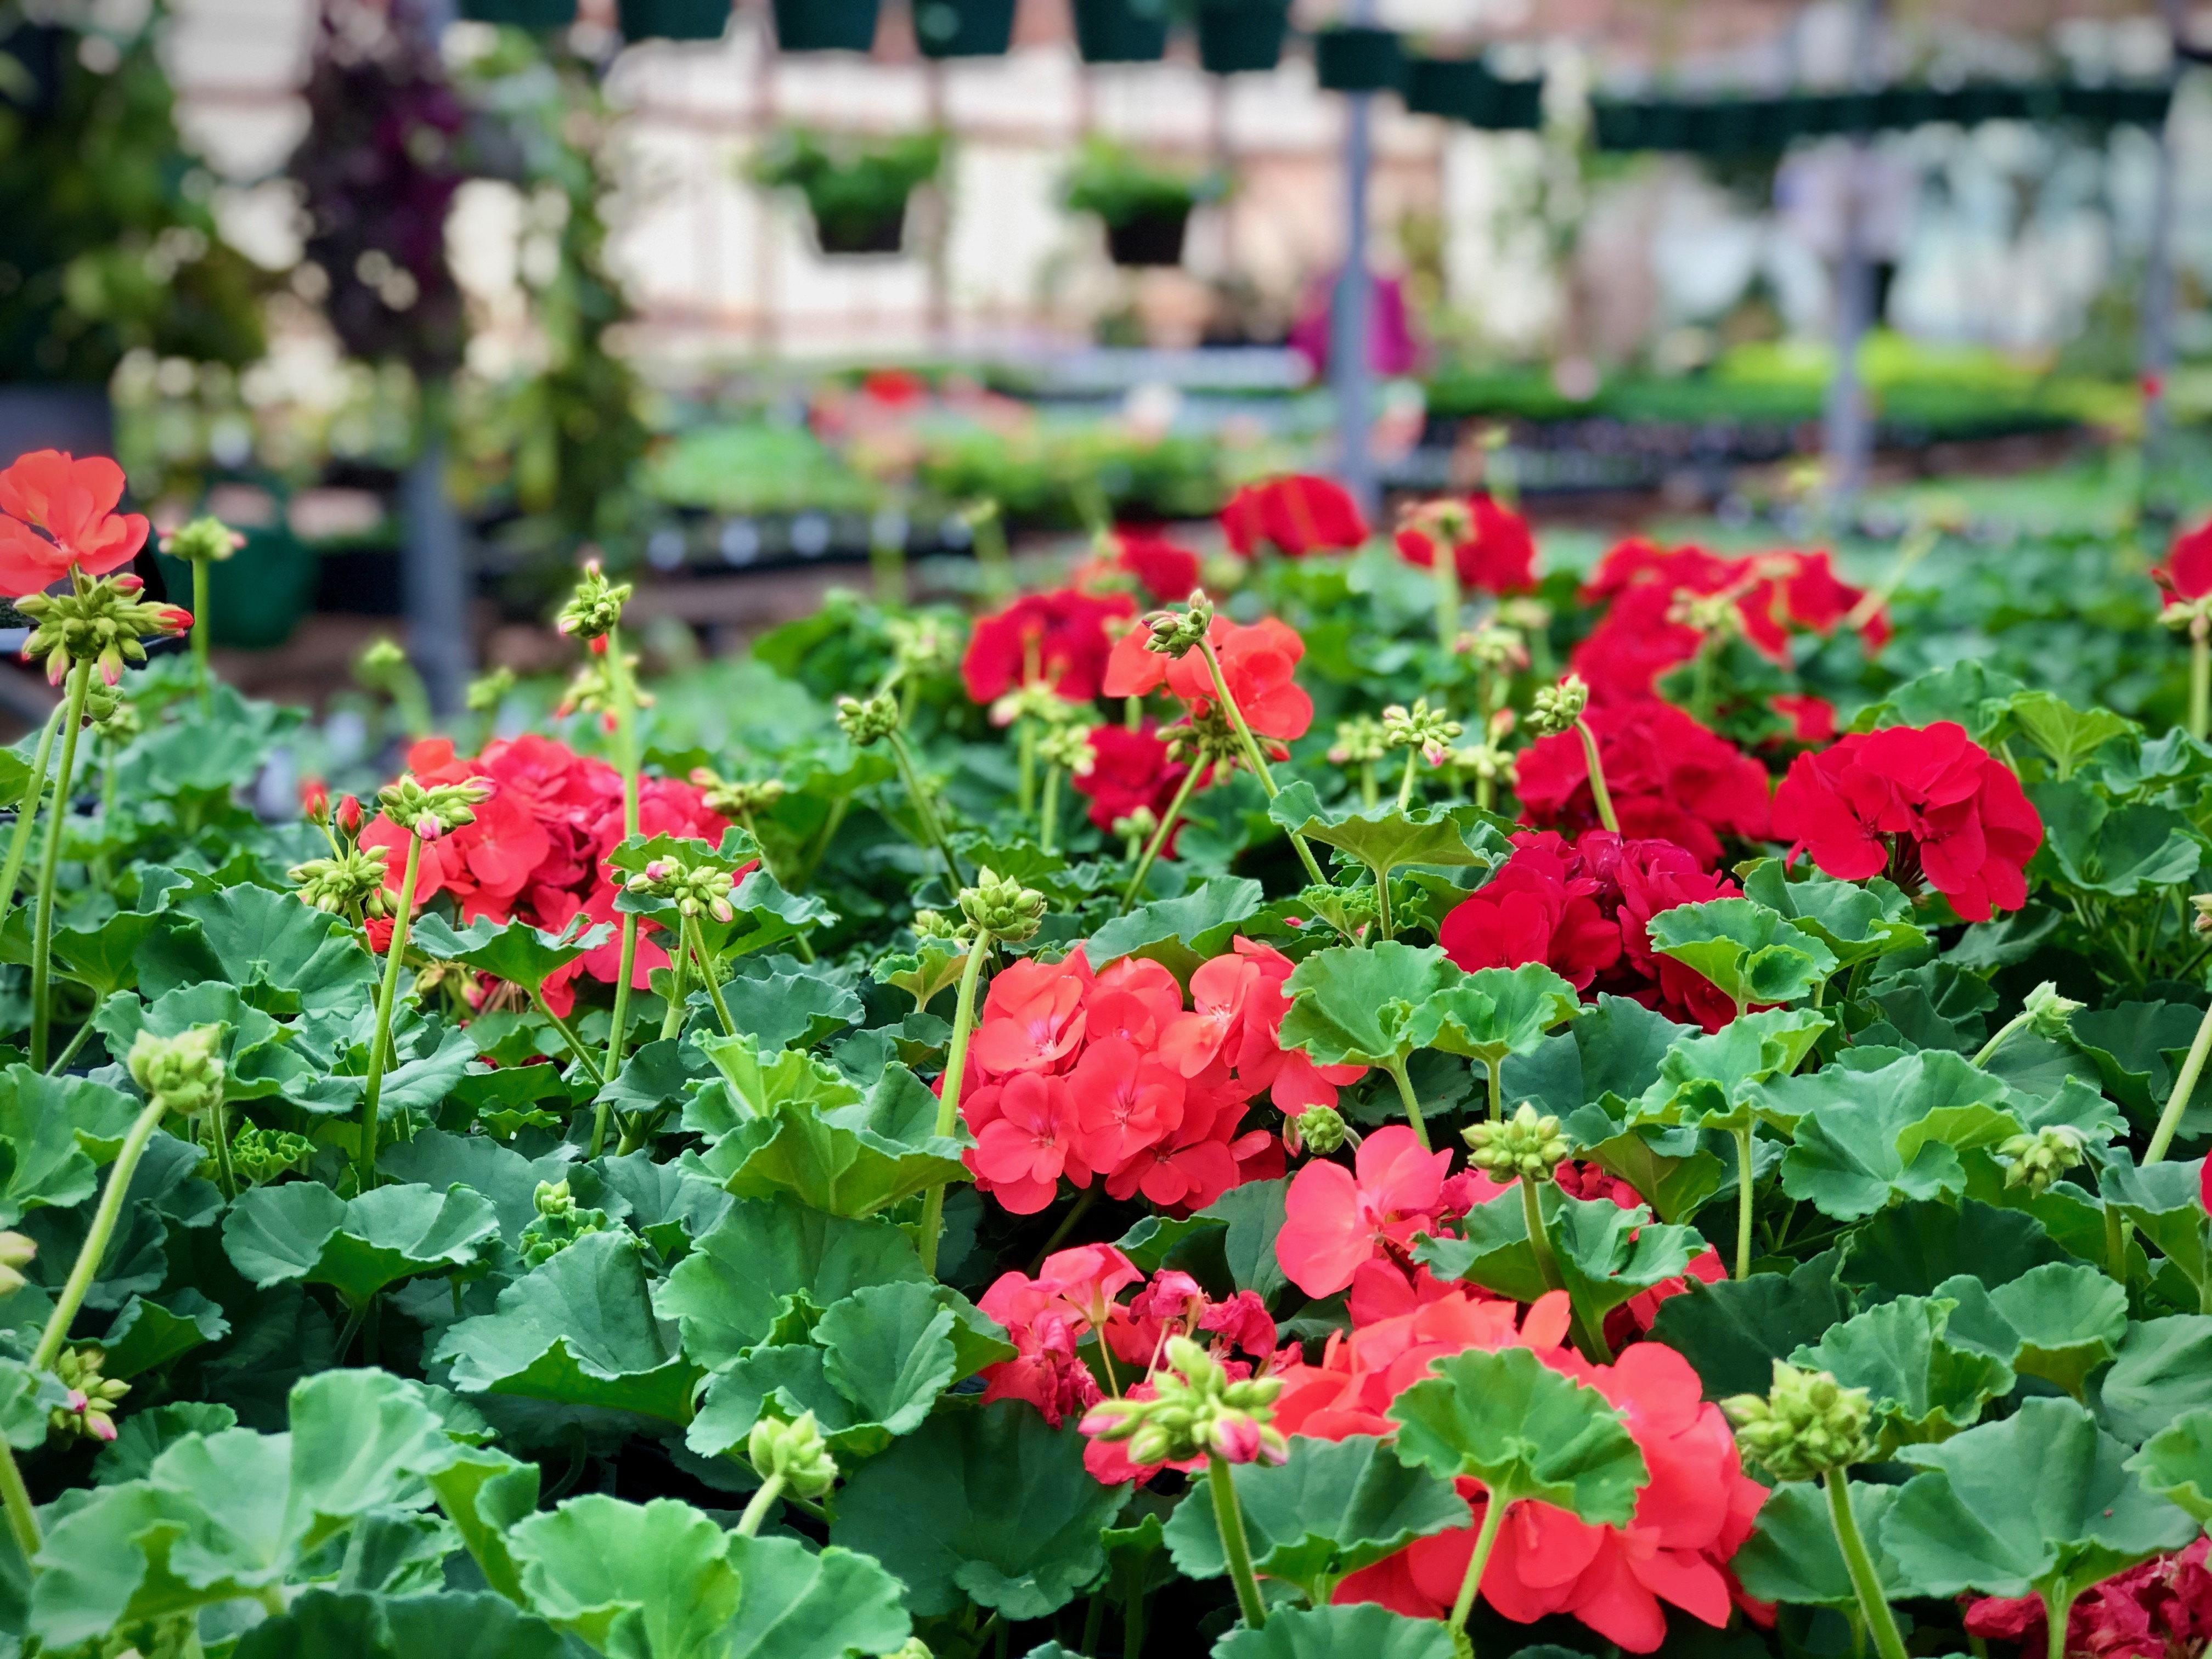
(1923, 1388)
(1792, 1555)
(2163, 1368)
(321, 1625)
(1866, 1140)
(302, 1231)
(1748, 952)
(643, 1581)
(1732, 1332)
(1355, 1004)
(1362, 1632)
(797, 1602)
(1606, 1254)
(1495, 1012)
(2176, 1463)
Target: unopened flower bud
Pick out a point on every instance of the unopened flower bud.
(1068, 746)
(1525, 1144)
(430, 811)
(339, 884)
(2037, 1160)
(868, 723)
(934, 924)
(17, 1251)
(695, 890)
(1002, 909)
(1808, 1425)
(1557, 707)
(100, 623)
(203, 539)
(1420, 727)
(1359, 740)
(596, 607)
(1141, 824)
(184, 1072)
(1178, 633)
(924, 645)
(1321, 1130)
(1495, 648)
(90, 1413)
(348, 815)
(1197, 1410)
(2049, 1014)
(487, 691)
(795, 1451)
(737, 798)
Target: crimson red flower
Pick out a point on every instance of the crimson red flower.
(1652, 875)
(74, 501)
(1058, 639)
(1257, 663)
(1921, 803)
(2187, 573)
(1670, 777)
(1811, 720)
(1497, 557)
(1165, 571)
(1129, 769)
(2161, 1609)
(1541, 907)
(1334, 1219)
(1297, 515)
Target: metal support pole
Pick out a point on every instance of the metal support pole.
(2158, 293)
(1848, 433)
(434, 574)
(1351, 364)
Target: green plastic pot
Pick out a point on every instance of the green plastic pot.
(1619, 126)
(856, 234)
(1359, 59)
(1515, 106)
(1239, 37)
(674, 20)
(1457, 88)
(1122, 31)
(521, 13)
(1149, 240)
(259, 594)
(963, 28)
(825, 24)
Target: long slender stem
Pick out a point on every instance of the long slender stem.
(1743, 1161)
(626, 757)
(380, 1042)
(679, 993)
(202, 633)
(1405, 781)
(1599, 792)
(618, 1033)
(1229, 1520)
(1443, 571)
(1866, 1583)
(1160, 835)
(2200, 678)
(1025, 767)
(1370, 787)
(1132, 1607)
(70, 1052)
(22, 1516)
(1588, 1339)
(576, 1049)
(1495, 1068)
(26, 810)
(226, 1178)
(756, 1508)
(1997, 1042)
(2185, 1085)
(1094, 1621)
(1048, 811)
(1254, 759)
(96, 1240)
(948, 1097)
(1412, 1103)
(1493, 1518)
(932, 830)
(696, 937)
(50, 864)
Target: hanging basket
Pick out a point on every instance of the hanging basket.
(1359, 60)
(1238, 37)
(850, 235)
(825, 24)
(1122, 31)
(1151, 239)
(963, 28)
(521, 13)
(674, 20)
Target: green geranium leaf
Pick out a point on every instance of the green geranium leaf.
(2069, 735)
(1363, 1632)
(1868, 1139)
(257, 1058)
(759, 1079)
(1352, 1004)
(2120, 854)
(2176, 1463)
(793, 1007)
(1733, 1332)
(435, 1158)
(1606, 1254)
(2165, 1202)
(56, 1131)
(1385, 838)
(633, 1581)
(1334, 1507)
(302, 1231)
(992, 1505)
(1711, 1082)
(145, 1434)
(1616, 1046)
(2041, 1503)
(2062, 1320)
(924, 974)
(1857, 921)
(2164, 1368)
(1750, 953)
(1792, 1555)
(323, 1625)
(798, 1602)
(147, 1336)
(1912, 1249)
(836, 1166)
(26, 1397)
(1924, 1388)
(1525, 1431)
(578, 1331)
(764, 915)
(484, 1493)
(515, 951)
(1495, 1012)
(285, 957)
(1970, 692)
(1182, 934)
(2137, 1048)
(105, 958)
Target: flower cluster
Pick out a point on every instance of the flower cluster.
(1257, 663)
(1296, 515)
(1162, 569)
(73, 500)
(1338, 1221)
(1670, 778)
(1492, 549)
(537, 849)
(1059, 640)
(1130, 771)
(1108, 1077)
(2161, 1609)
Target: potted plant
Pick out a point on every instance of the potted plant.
(521, 13)
(1236, 36)
(674, 20)
(1122, 31)
(1146, 207)
(856, 189)
(963, 28)
(1358, 58)
(825, 24)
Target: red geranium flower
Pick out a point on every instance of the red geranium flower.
(1539, 908)
(2187, 573)
(74, 503)
(1298, 514)
(1256, 661)
(1670, 777)
(1811, 720)
(2161, 1609)
(1497, 557)
(1919, 802)
(1027, 1144)
(1129, 769)
(1334, 1219)
(1058, 639)
(1165, 571)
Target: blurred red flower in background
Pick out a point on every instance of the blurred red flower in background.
(1497, 557)
(1297, 515)
(1058, 639)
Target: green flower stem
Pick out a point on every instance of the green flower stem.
(697, 936)
(1701, 682)
(219, 1131)
(1371, 786)
(1048, 811)
(68, 1052)
(1383, 926)
(22, 1517)
(932, 830)
(1493, 1519)
(50, 865)
(618, 1033)
(2117, 1234)
(1865, 1583)
(1254, 759)
(576, 1048)
(1743, 1162)
(2200, 677)
(1495, 1068)
(1443, 571)
(1025, 768)
(96, 1240)
(2185, 1086)
(756, 1508)
(625, 702)
(26, 810)
(1094, 1621)
(202, 635)
(1591, 1339)
(1160, 835)
(1599, 792)
(2004, 1031)
(679, 964)
(2056, 1612)
(1132, 1607)
(1406, 782)
(948, 1102)
(1397, 1070)
(1229, 1519)
(380, 1044)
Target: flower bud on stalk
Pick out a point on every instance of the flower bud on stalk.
(90, 1413)
(183, 1073)
(1420, 727)
(868, 722)
(1197, 1410)
(1178, 633)
(487, 691)
(1002, 908)
(695, 890)
(100, 623)
(430, 811)
(1068, 747)
(2037, 1160)
(737, 798)
(1557, 707)
(204, 538)
(795, 1452)
(1807, 1425)
(340, 883)
(595, 609)
(1319, 1129)
(1525, 1145)
(17, 1252)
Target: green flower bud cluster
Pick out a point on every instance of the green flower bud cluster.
(1321, 1130)
(794, 1451)
(100, 622)
(934, 924)
(379, 658)
(1525, 1144)
(1420, 727)
(868, 722)
(1036, 701)
(2037, 1160)
(1348, 905)
(1068, 746)
(112, 714)
(204, 538)
(429, 811)
(924, 645)
(17, 1252)
(1359, 740)
(259, 1155)
(2050, 1015)
(344, 881)
(695, 889)
(93, 1398)
(1496, 647)
(1179, 633)
(594, 691)
(1808, 1425)
(1142, 825)
(559, 1223)
(1529, 616)
(737, 798)
(1557, 707)
(595, 608)
(1001, 908)
(1208, 739)
(184, 1072)
(1197, 1411)
(487, 691)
